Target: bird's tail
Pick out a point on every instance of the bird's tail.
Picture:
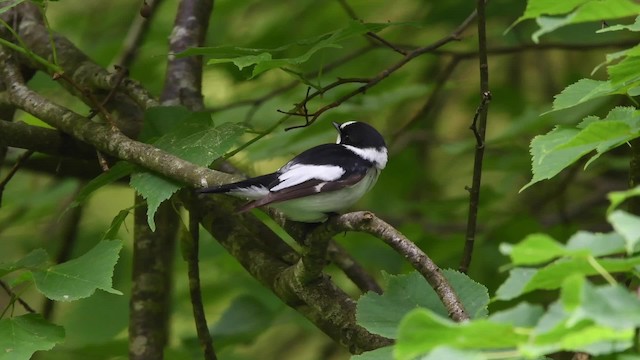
(259, 181)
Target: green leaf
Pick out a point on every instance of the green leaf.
(80, 277)
(242, 321)
(633, 27)
(36, 259)
(618, 197)
(515, 283)
(558, 149)
(582, 91)
(115, 173)
(524, 280)
(596, 244)
(522, 315)
(627, 225)
(422, 331)
(21, 336)
(448, 353)
(574, 11)
(193, 139)
(385, 353)
(625, 72)
(381, 314)
(116, 223)
(534, 249)
(264, 59)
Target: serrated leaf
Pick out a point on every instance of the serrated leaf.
(21, 336)
(627, 225)
(422, 331)
(194, 140)
(625, 72)
(561, 147)
(582, 91)
(381, 314)
(80, 277)
(573, 12)
(534, 249)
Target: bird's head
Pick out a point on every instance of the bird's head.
(364, 140)
(359, 134)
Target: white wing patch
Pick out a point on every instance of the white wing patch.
(376, 156)
(299, 173)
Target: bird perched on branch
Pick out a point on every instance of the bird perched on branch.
(321, 181)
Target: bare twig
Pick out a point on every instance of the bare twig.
(136, 34)
(343, 260)
(13, 295)
(478, 127)
(190, 252)
(352, 14)
(24, 157)
(371, 82)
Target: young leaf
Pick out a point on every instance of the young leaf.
(422, 331)
(522, 315)
(583, 91)
(596, 244)
(21, 336)
(627, 225)
(115, 173)
(618, 197)
(80, 277)
(515, 283)
(534, 249)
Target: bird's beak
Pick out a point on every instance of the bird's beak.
(337, 126)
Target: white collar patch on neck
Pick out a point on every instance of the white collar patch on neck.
(375, 155)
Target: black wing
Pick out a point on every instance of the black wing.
(330, 154)
(307, 188)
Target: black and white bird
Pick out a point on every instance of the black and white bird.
(321, 181)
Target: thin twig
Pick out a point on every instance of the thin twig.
(352, 14)
(13, 295)
(24, 157)
(454, 35)
(135, 36)
(354, 271)
(191, 250)
(478, 127)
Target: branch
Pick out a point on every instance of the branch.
(368, 223)
(267, 258)
(21, 160)
(343, 260)
(101, 137)
(183, 85)
(478, 127)
(13, 295)
(43, 140)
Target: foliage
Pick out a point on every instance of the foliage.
(562, 288)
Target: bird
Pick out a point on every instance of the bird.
(321, 181)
